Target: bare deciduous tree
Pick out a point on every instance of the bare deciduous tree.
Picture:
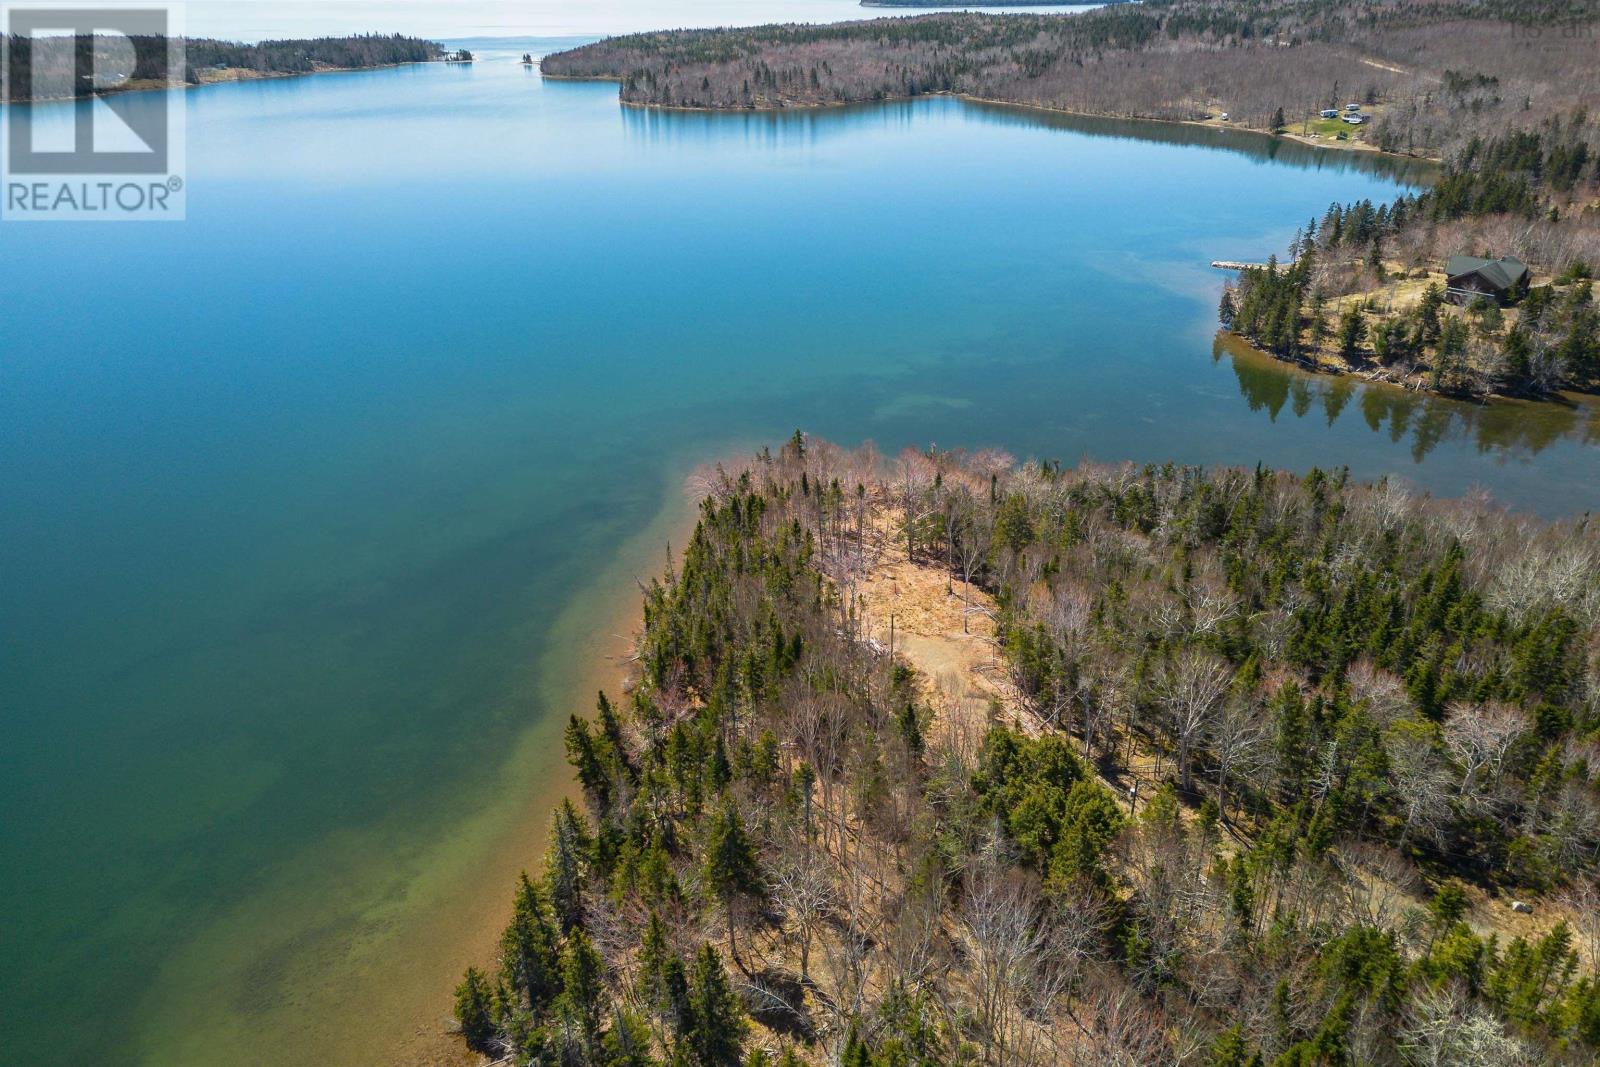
(1480, 737)
(1190, 688)
(1423, 782)
(807, 896)
(1238, 738)
(1442, 1029)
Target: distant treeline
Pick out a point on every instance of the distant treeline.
(1443, 71)
(43, 67)
(307, 55)
(959, 3)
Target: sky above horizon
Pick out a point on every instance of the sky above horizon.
(253, 20)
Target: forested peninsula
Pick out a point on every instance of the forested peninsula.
(43, 68)
(1434, 74)
(948, 759)
(1368, 289)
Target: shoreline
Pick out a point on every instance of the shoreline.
(1237, 345)
(1360, 147)
(237, 75)
(603, 622)
(373, 983)
(601, 625)
(1351, 146)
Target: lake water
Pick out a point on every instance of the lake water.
(316, 506)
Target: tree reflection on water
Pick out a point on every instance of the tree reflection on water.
(1500, 426)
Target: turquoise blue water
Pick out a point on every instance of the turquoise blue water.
(296, 493)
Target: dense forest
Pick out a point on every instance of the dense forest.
(43, 68)
(309, 55)
(1436, 73)
(1362, 289)
(1290, 771)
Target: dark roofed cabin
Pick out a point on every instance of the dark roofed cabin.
(1469, 277)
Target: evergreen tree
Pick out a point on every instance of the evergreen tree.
(1319, 321)
(1352, 329)
(1428, 313)
(1390, 343)
(856, 1053)
(1519, 358)
(663, 981)
(731, 871)
(627, 1041)
(528, 956)
(474, 1011)
(611, 729)
(1230, 1049)
(583, 1001)
(566, 862)
(910, 731)
(592, 773)
(718, 1024)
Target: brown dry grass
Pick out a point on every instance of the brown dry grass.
(942, 627)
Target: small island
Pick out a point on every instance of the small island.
(49, 61)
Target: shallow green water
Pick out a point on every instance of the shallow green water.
(301, 498)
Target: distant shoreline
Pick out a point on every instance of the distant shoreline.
(231, 76)
(181, 62)
(1352, 147)
(1348, 145)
